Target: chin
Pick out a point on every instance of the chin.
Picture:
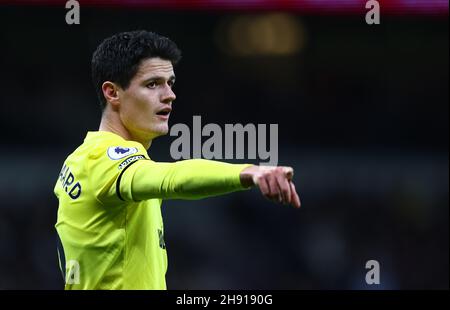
(161, 130)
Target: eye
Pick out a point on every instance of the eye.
(171, 83)
(152, 84)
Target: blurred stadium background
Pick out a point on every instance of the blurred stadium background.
(362, 113)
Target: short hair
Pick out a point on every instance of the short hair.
(117, 58)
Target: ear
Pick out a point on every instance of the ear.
(111, 93)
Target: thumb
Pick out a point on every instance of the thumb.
(288, 172)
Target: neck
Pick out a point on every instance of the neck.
(111, 122)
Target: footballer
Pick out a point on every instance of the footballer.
(109, 224)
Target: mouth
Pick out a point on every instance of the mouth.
(164, 113)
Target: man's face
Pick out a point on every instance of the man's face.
(146, 104)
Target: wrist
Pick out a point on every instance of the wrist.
(246, 176)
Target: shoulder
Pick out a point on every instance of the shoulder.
(111, 157)
(102, 153)
(110, 147)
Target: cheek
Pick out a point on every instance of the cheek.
(139, 110)
(147, 100)
(141, 104)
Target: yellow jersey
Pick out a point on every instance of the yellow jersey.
(109, 219)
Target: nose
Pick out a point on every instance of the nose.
(168, 95)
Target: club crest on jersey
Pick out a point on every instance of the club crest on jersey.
(118, 152)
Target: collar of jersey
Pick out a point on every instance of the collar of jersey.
(92, 135)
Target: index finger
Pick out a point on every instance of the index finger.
(294, 198)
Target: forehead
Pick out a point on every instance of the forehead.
(155, 67)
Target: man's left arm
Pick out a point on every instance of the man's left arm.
(200, 178)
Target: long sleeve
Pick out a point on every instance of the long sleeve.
(187, 179)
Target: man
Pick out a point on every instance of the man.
(110, 191)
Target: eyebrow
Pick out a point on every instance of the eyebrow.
(157, 77)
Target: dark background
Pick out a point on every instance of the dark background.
(363, 118)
